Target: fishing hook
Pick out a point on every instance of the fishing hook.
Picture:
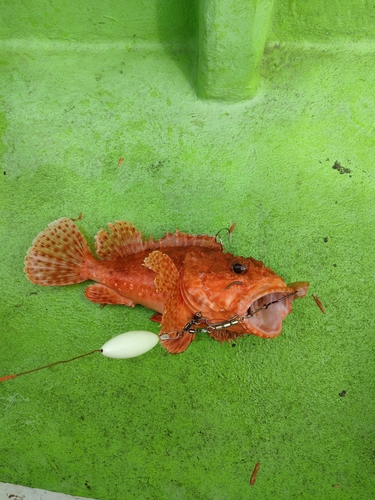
(210, 327)
(228, 230)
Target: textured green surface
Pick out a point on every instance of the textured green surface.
(190, 426)
(94, 21)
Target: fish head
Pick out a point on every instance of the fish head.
(222, 286)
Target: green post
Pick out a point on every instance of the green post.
(232, 36)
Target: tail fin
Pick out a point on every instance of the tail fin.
(58, 255)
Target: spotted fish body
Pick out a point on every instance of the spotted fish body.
(176, 276)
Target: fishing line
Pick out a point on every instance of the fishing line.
(125, 345)
(7, 377)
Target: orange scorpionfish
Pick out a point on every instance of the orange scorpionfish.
(187, 279)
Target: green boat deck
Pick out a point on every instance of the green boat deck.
(278, 137)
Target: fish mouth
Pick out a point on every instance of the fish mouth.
(267, 321)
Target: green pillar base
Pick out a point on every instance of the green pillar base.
(232, 36)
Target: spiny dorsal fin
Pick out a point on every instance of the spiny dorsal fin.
(123, 239)
(182, 240)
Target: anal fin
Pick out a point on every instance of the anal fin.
(101, 294)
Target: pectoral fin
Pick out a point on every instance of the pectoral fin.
(176, 315)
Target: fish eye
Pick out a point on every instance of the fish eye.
(239, 268)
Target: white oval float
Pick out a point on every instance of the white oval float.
(130, 344)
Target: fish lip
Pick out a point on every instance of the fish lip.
(268, 322)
